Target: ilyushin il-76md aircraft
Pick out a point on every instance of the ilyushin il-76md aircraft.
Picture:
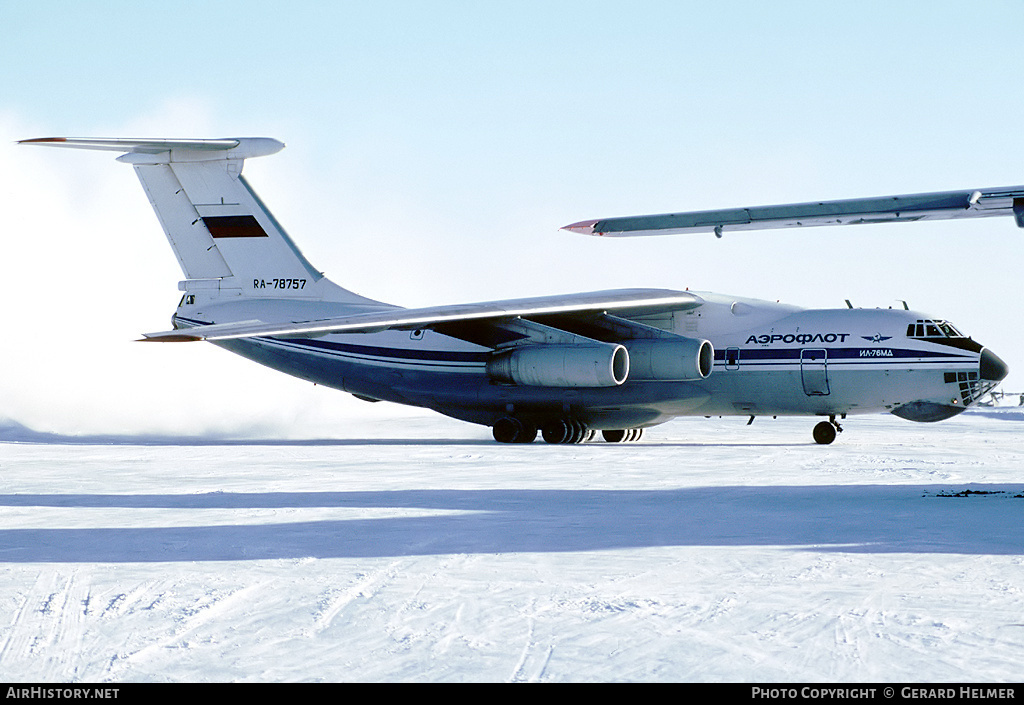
(566, 366)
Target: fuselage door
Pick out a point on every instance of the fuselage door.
(732, 358)
(814, 372)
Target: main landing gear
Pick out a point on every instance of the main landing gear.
(622, 435)
(825, 432)
(513, 430)
(510, 430)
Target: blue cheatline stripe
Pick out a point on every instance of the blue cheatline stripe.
(845, 354)
(848, 364)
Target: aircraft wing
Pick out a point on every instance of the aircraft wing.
(943, 205)
(622, 301)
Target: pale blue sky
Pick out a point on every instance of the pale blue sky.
(434, 148)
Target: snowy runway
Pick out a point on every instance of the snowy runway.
(709, 551)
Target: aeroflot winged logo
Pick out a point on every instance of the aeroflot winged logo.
(876, 338)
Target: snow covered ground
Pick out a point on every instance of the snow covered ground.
(418, 549)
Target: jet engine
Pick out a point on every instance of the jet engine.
(670, 359)
(596, 365)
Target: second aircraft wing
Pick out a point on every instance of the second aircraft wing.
(943, 205)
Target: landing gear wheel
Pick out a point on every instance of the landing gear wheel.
(529, 434)
(565, 431)
(824, 433)
(557, 431)
(506, 430)
(613, 435)
(622, 435)
(510, 430)
(579, 432)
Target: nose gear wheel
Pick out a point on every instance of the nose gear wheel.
(825, 431)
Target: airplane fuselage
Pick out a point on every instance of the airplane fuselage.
(769, 359)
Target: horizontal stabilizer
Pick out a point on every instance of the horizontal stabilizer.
(981, 203)
(181, 150)
(620, 300)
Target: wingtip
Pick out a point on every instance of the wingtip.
(584, 227)
(169, 338)
(43, 140)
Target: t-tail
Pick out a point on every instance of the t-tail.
(226, 240)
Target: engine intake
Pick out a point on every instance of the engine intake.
(597, 365)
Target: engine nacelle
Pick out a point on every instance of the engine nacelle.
(597, 365)
(675, 360)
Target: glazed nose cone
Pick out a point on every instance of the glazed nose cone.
(992, 367)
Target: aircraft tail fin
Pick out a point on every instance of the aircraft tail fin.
(224, 237)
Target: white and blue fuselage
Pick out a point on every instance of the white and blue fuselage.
(769, 359)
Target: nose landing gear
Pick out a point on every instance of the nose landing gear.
(825, 432)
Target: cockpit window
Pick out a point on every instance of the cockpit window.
(949, 330)
(932, 329)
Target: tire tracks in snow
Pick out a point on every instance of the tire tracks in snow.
(211, 606)
(534, 658)
(333, 602)
(46, 633)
